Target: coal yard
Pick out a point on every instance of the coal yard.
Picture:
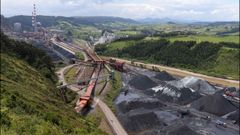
(157, 103)
(53, 55)
(49, 52)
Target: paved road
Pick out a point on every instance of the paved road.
(183, 73)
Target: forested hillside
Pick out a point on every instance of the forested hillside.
(30, 102)
(48, 21)
(216, 59)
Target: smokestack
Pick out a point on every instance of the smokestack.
(34, 18)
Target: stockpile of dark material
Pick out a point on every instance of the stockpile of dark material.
(126, 106)
(142, 82)
(183, 130)
(141, 122)
(202, 86)
(50, 53)
(175, 130)
(164, 76)
(196, 84)
(215, 104)
(63, 52)
(186, 95)
(234, 116)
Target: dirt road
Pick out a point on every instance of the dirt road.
(60, 74)
(111, 118)
(184, 73)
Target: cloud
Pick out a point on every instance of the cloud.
(210, 10)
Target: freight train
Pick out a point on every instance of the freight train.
(117, 65)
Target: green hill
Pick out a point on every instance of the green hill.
(215, 59)
(48, 21)
(30, 104)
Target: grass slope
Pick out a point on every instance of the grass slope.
(70, 75)
(30, 102)
(227, 63)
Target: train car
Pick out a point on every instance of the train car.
(83, 103)
(117, 65)
(85, 100)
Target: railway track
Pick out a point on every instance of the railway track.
(87, 97)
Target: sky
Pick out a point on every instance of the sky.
(199, 10)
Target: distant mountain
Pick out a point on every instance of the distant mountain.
(157, 20)
(104, 19)
(173, 21)
(48, 21)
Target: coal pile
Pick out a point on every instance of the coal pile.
(49, 52)
(169, 93)
(63, 52)
(196, 84)
(142, 82)
(187, 96)
(164, 76)
(183, 130)
(126, 106)
(141, 122)
(160, 106)
(215, 104)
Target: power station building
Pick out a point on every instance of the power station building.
(17, 27)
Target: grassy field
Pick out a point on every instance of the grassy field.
(79, 32)
(31, 105)
(80, 55)
(119, 45)
(214, 39)
(201, 38)
(70, 75)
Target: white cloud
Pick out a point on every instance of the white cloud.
(176, 9)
